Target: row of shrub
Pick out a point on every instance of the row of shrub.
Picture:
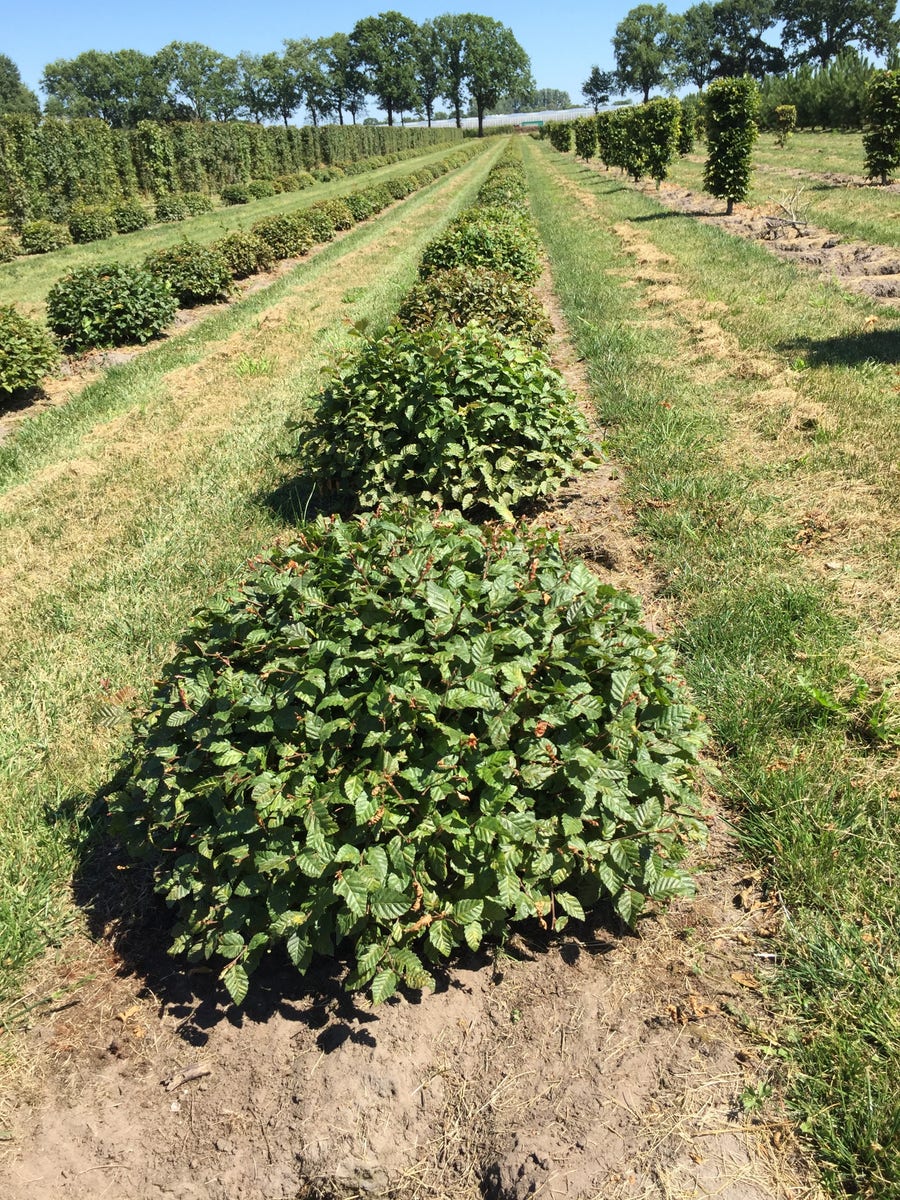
(112, 304)
(642, 141)
(405, 730)
(91, 222)
(50, 165)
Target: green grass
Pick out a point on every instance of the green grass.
(126, 508)
(26, 281)
(861, 213)
(791, 662)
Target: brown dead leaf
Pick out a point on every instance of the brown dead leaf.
(745, 979)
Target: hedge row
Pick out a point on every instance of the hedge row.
(112, 304)
(405, 731)
(47, 166)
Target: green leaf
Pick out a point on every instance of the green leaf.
(473, 934)
(236, 983)
(570, 904)
(387, 904)
(441, 937)
(383, 986)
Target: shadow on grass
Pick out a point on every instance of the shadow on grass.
(850, 349)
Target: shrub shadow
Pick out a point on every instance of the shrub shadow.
(851, 349)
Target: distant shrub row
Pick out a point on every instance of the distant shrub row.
(113, 304)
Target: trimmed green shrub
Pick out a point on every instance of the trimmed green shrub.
(338, 212)
(235, 193)
(91, 223)
(197, 203)
(42, 237)
(196, 274)
(378, 196)
(287, 235)
(510, 743)
(400, 186)
(9, 247)
(687, 127)
(881, 137)
(245, 253)
(465, 294)
(656, 125)
(27, 352)
(360, 206)
(108, 305)
(171, 208)
(455, 416)
(785, 123)
(560, 135)
(129, 216)
(479, 242)
(730, 110)
(585, 138)
(260, 189)
(320, 221)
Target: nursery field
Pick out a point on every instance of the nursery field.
(745, 1043)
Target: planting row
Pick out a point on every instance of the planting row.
(114, 304)
(91, 222)
(405, 730)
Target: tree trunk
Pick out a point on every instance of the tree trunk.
(729, 206)
(480, 108)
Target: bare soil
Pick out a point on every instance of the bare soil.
(602, 1064)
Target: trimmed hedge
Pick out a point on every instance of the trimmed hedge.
(195, 274)
(108, 305)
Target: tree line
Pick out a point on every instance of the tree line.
(654, 48)
(463, 58)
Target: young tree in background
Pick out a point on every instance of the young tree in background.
(386, 48)
(822, 28)
(598, 87)
(495, 64)
(741, 48)
(643, 48)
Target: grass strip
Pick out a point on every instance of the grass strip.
(134, 505)
(806, 725)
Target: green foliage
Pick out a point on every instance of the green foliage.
(236, 193)
(337, 211)
(288, 235)
(296, 181)
(400, 186)
(320, 221)
(90, 223)
(477, 241)
(830, 96)
(195, 274)
(656, 126)
(399, 735)
(42, 237)
(378, 196)
(785, 123)
(687, 128)
(644, 47)
(9, 247)
(244, 253)
(560, 135)
(585, 138)
(108, 305)
(129, 216)
(27, 352)
(730, 114)
(360, 206)
(197, 203)
(259, 189)
(464, 294)
(171, 208)
(457, 416)
(881, 138)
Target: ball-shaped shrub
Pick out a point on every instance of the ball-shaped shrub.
(42, 237)
(235, 193)
(320, 221)
(458, 416)
(287, 235)
(108, 305)
(195, 274)
(378, 196)
(400, 186)
(27, 352)
(90, 223)
(498, 245)
(197, 203)
(9, 247)
(261, 189)
(396, 737)
(245, 253)
(464, 294)
(338, 211)
(360, 205)
(129, 216)
(171, 208)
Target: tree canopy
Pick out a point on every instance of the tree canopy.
(643, 45)
(15, 97)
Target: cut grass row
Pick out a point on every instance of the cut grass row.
(26, 281)
(126, 508)
(779, 545)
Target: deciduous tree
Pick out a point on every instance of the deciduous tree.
(598, 87)
(15, 97)
(386, 46)
(822, 28)
(494, 62)
(643, 48)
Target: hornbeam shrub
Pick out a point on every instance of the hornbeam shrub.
(730, 110)
(585, 138)
(287, 235)
(90, 223)
(196, 274)
(261, 189)
(9, 247)
(235, 193)
(560, 135)
(129, 216)
(196, 203)
(881, 138)
(171, 208)
(244, 253)
(320, 221)
(109, 305)
(41, 237)
(656, 124)
(338, 212)
(27, 352)
(399, 735)
(460, 417)
(478, 241)
(360, 205)
(464, 294)
(785, 123)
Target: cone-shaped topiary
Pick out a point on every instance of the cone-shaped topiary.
(399, 735)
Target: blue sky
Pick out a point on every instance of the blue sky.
(563, 40)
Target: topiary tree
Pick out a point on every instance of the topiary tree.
(456, 416)
(195, 274)
(731, 131)
(109, 305)
(785, 123)
(656, 125)
(398, 736)
(881, 137)
(585, 138)
(27, 352)
(464, 294)
(560, 135)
